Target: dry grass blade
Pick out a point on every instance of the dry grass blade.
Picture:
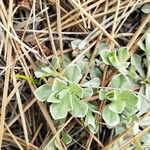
(44, 37)
(94, 22)
(145, 21)
(8, 53)
(59, 27)
(58, 132)
(20, 147)
(21, 112)
(123, 147)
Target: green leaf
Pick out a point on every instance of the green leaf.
(60, 110)
(124, 82)
(29, 79)
(128, 111)
(101, 47)
(55, 62)
(87, 92)
(143, 103)
(147, 91)
(146, 8)
(63, 93)
(122, 69)
(95, 72)
(91, 122)
(93, 108)
(45, 72)
(141, 45)
(118, 61)
(104, 55)
(59, 85)
(133, 74)
(111, 95)
(73, 73)
(120, 130)
(80, 108)
(117, 106)
(113, 59)
(76, 89)
(57, 145)
(102, 94)
(147, 51)
(51, 146)
(53, 98)
(129, 98)
(147, 42)
(119, 81)
(83, 64)
(123, 55)
(120, 65)
(136, 61)
(94, 82)
(65, 61)
(66, 137)
(47, 69)
(110, 117)
(43, 92)
(40, 74)
(145, 139)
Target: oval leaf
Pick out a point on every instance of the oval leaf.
(59, 85)
(146, 8)
(102, 94)
(52, 146)
(111, 95)
(76, 89)
(110, 117)
(60, 110)
(104, 55)
(53, 98)
(55, 62)
(129, 98)
(114, 59)
(80, 108)
(43, 92)
(94, 82)
(123, 55)
(136, 61)
(117, 106)
(44, 72)
(66, 137)
(63, 93)
(87, 92)
(102, 47)
(91, 122)
(119, 81)
(73, 73)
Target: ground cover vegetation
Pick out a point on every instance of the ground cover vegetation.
(75, 74)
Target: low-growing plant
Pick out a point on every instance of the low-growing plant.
(118, 59)
(67, 96)
(132, 77)
(121, 102)
(140, 73)
(125, 105)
